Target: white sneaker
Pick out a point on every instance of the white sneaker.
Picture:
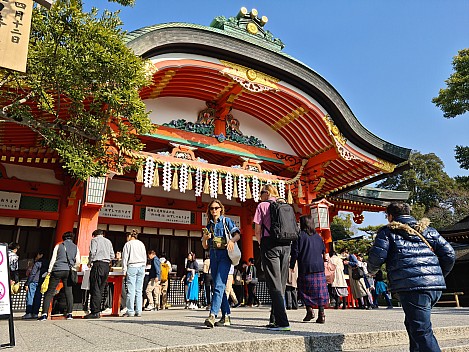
(107, 311)
(149, 308)
(123, 311)
(27, 316)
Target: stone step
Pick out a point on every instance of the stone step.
(454, 345)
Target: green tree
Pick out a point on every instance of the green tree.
(356, 246)
(426, 180)
(341, 227)
(454, 100)
(81, 89)
(371, 230)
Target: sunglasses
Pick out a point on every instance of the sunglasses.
(214, 208)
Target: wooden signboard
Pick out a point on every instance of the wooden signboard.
(15, 25)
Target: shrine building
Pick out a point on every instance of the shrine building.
(232, 111)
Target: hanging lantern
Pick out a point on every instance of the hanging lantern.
(320, 214)
(95, 191)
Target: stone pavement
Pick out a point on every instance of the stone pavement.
(177, 330)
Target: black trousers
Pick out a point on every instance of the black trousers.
(55, 278)
(208, 285)
(291, 297)
(275, 261)
(252, 298)
(98, 277)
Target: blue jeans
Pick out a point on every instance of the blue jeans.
(134, 289)
(33, 298)
(220, 265)
(417, 306)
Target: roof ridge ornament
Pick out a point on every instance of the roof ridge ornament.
(249, 22)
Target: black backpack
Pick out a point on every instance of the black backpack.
(283, 228)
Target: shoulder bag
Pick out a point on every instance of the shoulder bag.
(73, 275)
(235, 254)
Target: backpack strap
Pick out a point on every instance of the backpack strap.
(262, 225)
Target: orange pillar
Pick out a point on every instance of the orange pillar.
(88, 223)
(327, 238)
(247, 233)
(68, 210)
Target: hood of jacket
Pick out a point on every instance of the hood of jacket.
(407, 226)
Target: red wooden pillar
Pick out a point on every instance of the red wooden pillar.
(88, 223)
(247, 233)
(68, 209)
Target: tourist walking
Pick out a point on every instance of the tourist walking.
(291, 291)
(275, 257)
(33, 286)
(417, 260)
(65, 256)
(214, 238)
(153, 286)
(134, 259)
(310, 253)
(357, 282)
(13, 259)
(207, 281)
(252, 280)
(191, 282)
(339, 285)
(101, 254)
(164, 283)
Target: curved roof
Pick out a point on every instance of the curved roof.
(252, 52)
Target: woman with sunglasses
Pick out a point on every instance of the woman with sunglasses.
(214, 238)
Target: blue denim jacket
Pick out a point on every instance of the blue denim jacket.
(217, 229)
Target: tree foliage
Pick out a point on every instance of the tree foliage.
(81, 89)
(454, 100)
(355, 246)
(433, 193)
(341, 227)
(371, 230)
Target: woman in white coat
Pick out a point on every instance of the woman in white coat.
(339, 285)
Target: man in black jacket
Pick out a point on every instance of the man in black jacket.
(417, 260)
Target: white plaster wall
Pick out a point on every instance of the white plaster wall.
(33, 174)
(166, 109)
(120, 186)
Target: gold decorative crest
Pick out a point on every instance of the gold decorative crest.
(245, 73)
(384, 165)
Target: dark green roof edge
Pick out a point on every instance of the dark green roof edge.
(354, 130)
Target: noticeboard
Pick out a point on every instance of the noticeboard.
(5, 302)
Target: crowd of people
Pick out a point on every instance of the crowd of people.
(297, 271)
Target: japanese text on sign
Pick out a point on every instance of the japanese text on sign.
(168, 215)
(115, 210)
(15, 25)
(10, 200)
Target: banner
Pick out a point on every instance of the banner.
(116, 210)
(168, 215)
(10, 200)
(15, 25)
(5, 308)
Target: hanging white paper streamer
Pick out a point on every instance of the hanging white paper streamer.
(255, 188)
(242, 188)
(183, 178)
(198, 182)
(149, 172)
(281, 189)
(229, 186)
(167, 176)
(213, 184)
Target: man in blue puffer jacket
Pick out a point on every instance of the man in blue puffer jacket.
(417, 260)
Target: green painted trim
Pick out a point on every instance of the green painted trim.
(216, 148)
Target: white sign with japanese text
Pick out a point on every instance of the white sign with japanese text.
(15, 25)
(236, 219)
(116, 210)
(5, 308)
(9, 200)
(167, 215)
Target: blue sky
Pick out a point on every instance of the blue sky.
(387, 59)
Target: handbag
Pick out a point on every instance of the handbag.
(357, 273)
(73, 275)
(329, 271)
(235, 254)
(45, 284)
